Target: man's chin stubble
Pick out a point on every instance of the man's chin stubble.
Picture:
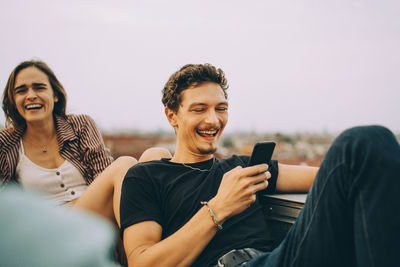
(207, 151)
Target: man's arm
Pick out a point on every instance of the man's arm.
(143, 245)
(295, 178)
(142, 241)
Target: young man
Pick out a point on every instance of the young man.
(193, 210)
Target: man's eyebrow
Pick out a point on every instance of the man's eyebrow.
(203, 104)
(197, 104)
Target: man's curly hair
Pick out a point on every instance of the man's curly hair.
(188, 76)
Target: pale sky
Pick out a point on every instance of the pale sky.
(291, 65)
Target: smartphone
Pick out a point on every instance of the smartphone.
(262, 153)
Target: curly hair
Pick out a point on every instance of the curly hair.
(188, 76)
(13, 118)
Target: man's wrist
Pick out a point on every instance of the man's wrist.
(219, 211)
(213, 216)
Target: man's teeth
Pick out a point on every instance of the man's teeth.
(208, 132)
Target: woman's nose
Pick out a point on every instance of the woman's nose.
(31, 94)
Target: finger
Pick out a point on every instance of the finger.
(264, 175)
(253, 198)
(235, 172)
(260, 186)
(259, 178)
(236, 169)
(254, 170)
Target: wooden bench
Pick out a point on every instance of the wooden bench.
(281, 211)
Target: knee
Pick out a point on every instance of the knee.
(125, 161)
(366, 131)
(155, 153)
(119, 168)
(365, 144)
(372, 135)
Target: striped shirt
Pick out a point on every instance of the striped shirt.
(79, 141)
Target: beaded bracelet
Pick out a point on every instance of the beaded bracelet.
(214, 218)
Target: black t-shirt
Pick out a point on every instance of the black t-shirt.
(170, 194)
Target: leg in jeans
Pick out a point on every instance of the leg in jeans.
(351, 216)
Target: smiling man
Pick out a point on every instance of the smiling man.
(200, 121)
(192, 209)
(195, 210)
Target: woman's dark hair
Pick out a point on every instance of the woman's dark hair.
(188, 76)
(13, 118)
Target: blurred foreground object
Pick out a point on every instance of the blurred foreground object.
(35, 233)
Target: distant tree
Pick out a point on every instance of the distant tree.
(283, 138)
(228, 143)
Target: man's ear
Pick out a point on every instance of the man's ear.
(171, 116)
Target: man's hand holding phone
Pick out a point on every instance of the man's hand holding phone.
(239, 186)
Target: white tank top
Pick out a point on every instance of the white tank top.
(60, 185)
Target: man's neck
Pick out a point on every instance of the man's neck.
(190, 157)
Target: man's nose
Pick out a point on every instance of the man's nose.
(211, 117)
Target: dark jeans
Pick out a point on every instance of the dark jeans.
(352, 213)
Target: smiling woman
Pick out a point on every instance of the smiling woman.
(62, 156)
(46, 150)
(33, 96)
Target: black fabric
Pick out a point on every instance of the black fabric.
(170, 194)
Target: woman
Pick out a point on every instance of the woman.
(61, 155)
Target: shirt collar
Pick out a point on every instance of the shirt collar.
(64, 130)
